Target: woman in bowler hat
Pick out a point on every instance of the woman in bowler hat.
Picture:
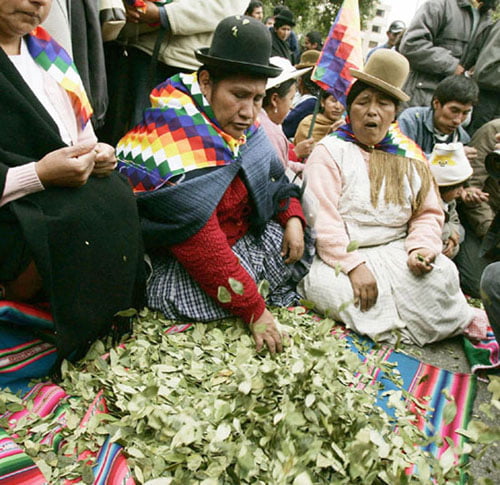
(219, 215)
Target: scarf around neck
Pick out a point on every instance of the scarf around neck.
(49, 55)
(394, 142)
(178, 134)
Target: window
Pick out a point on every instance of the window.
(372, 44)
(376, 29)
(380, 13)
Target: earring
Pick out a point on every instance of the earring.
(275, 110)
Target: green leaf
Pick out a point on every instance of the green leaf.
(223, 294)
(449, 412)
(263, 288)
(352, 246)
(236, 286)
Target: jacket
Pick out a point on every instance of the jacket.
(417, 123)
(192, 24)
(435, 44)
(84, 241)
(480, 216)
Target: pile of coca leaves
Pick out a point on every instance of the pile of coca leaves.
(202, 407)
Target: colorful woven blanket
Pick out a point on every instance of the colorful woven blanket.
(483, 355)
(430, 389)
(394, 142)
(56, 61)
(178, 134)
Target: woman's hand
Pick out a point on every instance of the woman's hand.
(335, 125)
(265, 331)
(473, 195)
(105, 160)
(420, 261)
(449, 247)
(150, 16)
(67, 167)
(292, 247)
(364, 287)
(304, 148)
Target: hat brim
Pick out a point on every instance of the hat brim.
(284, 76)
(379, 84)
(236, 66)
(306, 64)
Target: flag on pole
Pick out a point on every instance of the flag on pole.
(341, 51)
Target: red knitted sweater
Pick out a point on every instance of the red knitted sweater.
(208, 258)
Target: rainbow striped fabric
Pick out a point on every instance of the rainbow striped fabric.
(394, 142)
(341, 52)
(56, 61)
(178, 134)
(483, 355)
(430, 386)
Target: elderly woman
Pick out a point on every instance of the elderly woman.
(327, 120)
(219, 215)
(280, 92)
(371, 198)
(69, 230)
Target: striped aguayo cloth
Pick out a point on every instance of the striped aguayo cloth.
(21, 354)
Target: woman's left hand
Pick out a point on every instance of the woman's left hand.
(293, 241)
(304, 148)
(105, 160)
(420, 261)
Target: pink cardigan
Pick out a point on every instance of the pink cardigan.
(424, 228)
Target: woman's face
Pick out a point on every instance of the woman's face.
(371, 113)
(281, 106)
(235, 101)
(283, 32)
(332, 108)
(19, 17)
(257, 13)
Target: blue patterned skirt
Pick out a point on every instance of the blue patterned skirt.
(172, 290)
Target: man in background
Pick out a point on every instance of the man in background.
(394, 35)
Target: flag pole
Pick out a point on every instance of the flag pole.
(314, 115)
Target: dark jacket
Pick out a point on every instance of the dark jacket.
(435, 43)
(280, 48)
(84, 241)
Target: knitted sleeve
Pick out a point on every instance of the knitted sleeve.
(209, 260)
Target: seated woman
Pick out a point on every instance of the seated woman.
(378, 220)
(69, 229)
(327, 120)
(218, 213)
(280, 92)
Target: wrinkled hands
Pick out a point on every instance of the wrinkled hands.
(292, 247)
(150, 16)
(364, 287)
(265, 331)
(420, 261)
(72, 166)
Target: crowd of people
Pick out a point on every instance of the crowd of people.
(223, 169)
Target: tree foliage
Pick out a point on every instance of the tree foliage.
(318, 14)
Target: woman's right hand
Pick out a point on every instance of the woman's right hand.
(364, 287)
(264, 330)
(304, 148)
(68, 166)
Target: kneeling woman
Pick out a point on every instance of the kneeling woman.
(378, 221)
(218, 213)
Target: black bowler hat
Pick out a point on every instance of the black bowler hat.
(240, 44)
(284, 17)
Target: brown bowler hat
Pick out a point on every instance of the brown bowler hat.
(308, 59)
(387, 71)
